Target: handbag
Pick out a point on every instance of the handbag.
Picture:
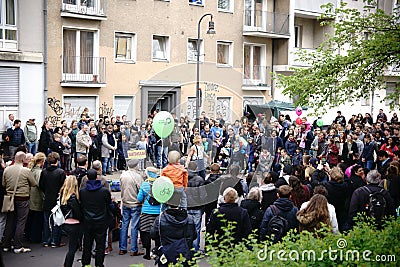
(57, 214)
(8, 202)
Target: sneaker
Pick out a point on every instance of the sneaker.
(22, 250)
(6, 249)
(138, 253)
(58, 246)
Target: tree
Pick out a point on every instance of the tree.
(351, 63)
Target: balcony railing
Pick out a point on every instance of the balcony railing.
(84, 70)
(266, 22)
(297, 61)
(256, 75)
(85, 7)
(312, 6)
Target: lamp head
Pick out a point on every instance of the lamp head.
(211, 29)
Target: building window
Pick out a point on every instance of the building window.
(224, 108)
(255, 70)
(391, 87)
(160, 48)
(8, 25)
(252, 100)
(125, 105)
(224, 53)
(192, 51)
(297, 36)
(79, 53)
(125, 47)
(225, 5)
(196, 2)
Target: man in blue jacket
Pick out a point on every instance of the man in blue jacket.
(16, 137)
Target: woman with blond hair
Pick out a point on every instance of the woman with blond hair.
(34, 224)
(70, 207)
(314, 214)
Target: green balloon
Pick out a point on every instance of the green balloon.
(320, 122)
(162, 189)
(163, 124)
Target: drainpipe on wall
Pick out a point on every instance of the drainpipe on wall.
(272, 62)
(45, 90)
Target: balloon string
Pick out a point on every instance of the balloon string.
(162, 154)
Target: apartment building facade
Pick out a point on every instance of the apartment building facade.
(21, 60)
(124, 57)
(307, 33)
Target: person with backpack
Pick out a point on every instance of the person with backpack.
(176, 231)
(372, 200)
(280, 217)
(71, 210)
(150, 210)
(51, 180)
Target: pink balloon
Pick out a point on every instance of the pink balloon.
(299, 111)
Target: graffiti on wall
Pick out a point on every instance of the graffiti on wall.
(106, 110)
(56, 108)
(71, 112)
(210, 95)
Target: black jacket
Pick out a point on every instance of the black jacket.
(231, 213)
(72, 209)
(172, 224)
(51, 180)
(46, 138)
(269, 195)
(318, 177)
(95, 202)
(286, 209)
(360, 198)
(195, 191)
(346, 157)
(212, 185)
(355, 182)
(57, 147)
(253, 208)
(338, 196)
(79, 173)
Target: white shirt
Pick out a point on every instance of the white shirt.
(332, 215)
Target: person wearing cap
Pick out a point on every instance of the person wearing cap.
(95, 203)
(131, 208)
(150, 210)
(31, 135)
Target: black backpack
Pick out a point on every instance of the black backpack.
(376, 205)
(277, 226)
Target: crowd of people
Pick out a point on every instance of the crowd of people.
(267, 175)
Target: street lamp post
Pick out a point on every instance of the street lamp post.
(198, 96)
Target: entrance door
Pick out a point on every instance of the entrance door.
(163, 98)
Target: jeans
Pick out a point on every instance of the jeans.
(162, 156)
(74, 232)
(106, 164)
(81, 154)
(52, 236)
(129, 215)
(184, 197)
(3, 219)
(368, 164)
(15, 224)
(94, 232)
(32, 148)
(197, 217)
(12, 150)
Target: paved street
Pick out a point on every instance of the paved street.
(50, 257)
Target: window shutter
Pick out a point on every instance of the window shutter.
(9, 86)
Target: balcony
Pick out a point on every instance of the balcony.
(311, 9)
(256, 77)
(297, 61)
(265, 24)
(84, 9)
(84, 72)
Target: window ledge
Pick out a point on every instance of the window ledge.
(225, 11)
(159, 60)
(224, 66)
(195, 4)
(83, 84)
(127, 61)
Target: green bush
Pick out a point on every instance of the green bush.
(364, 245)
